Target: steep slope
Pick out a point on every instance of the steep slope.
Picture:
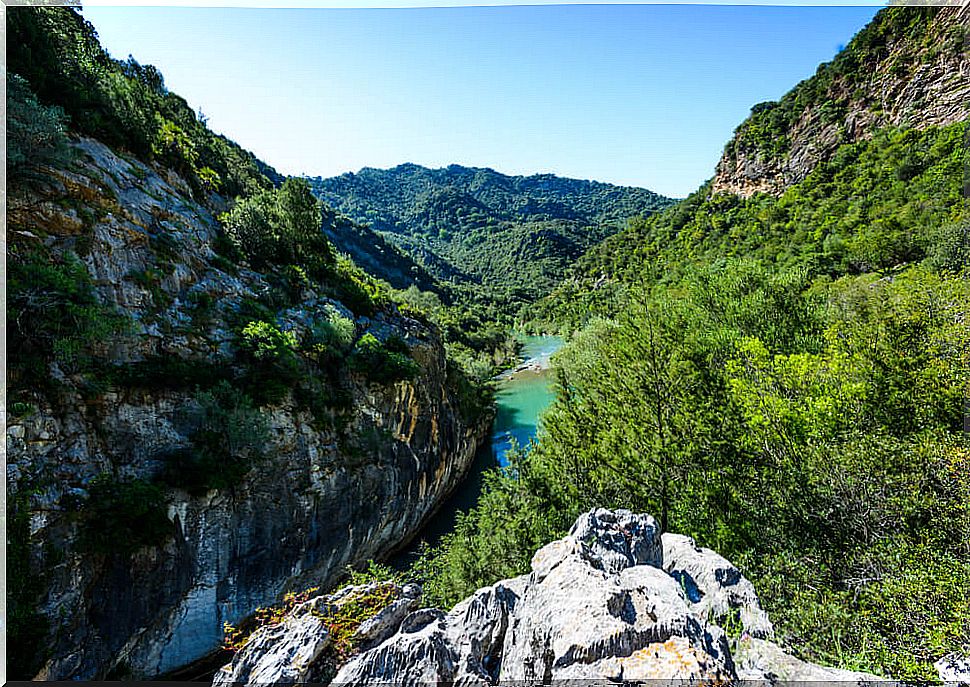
(844, 175)
(781, 376)
(504, 238)
(374, 254)
(174, 481)
(908, 68)
(205, 410)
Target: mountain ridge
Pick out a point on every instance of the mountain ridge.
(499, 239)
(907, 68)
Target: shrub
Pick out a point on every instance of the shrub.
(122, 516)
(229, 436)
(267, 342)
(331, 335)
(54, 315)
(272, 366)
(380, 365)
(283, 227)
(358, 290)
(36, 135)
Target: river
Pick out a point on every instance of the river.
(521, 396)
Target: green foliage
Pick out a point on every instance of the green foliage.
(36, 135)
(283, 227)
(229, 435)
(266, 341)
(809, 430)
(27, 628)
(852, 214)
(379, 363)
(836, 84)
(53, 315)
(272, 367)
(493, 239)
(356, 289)
(123, 103)
(331, 335)
(949, 248)
(121, 516)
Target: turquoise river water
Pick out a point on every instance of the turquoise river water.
(520, 398)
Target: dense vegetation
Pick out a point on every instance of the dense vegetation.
(496, 241)
(874, 205)
(783, 378)
(123, 103)
(64, 335)
(807, 429)
(844, 82)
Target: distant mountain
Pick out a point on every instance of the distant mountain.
(512, 236)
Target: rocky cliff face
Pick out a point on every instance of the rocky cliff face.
(326, 494)
(614, 601)
(908, 68)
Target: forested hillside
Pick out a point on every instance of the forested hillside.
(782, 375)
(495, 239)
(204, 396)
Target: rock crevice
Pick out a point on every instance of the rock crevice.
(605, 603)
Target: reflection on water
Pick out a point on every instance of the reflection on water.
(523, 395)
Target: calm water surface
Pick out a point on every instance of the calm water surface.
(520, 399)
(523, 395)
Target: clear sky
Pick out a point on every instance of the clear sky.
(645, 95)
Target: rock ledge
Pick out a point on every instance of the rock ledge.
(613, 601)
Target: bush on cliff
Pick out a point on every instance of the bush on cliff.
(36, 135)
(53, 316)
(281, 227)
(121, 516)
(229, 435)
(382, 363)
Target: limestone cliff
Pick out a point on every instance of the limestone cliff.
(909, 67)
(342, 478)
(614, 601)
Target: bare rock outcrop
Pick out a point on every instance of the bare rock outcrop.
(613, 601)
(903, 79)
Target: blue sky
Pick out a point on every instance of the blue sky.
(645, 95)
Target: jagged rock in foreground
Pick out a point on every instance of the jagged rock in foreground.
(954, 668)
(614, 600)
(332, 488)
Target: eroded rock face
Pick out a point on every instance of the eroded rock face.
(323, 497)
(296, 650)
(601, 604)
(917, 84)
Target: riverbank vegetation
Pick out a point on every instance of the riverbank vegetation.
(783, 379)
(808, 429)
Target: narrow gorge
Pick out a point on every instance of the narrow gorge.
(336, 483)
(415, 425)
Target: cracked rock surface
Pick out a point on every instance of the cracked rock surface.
(613, 601)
